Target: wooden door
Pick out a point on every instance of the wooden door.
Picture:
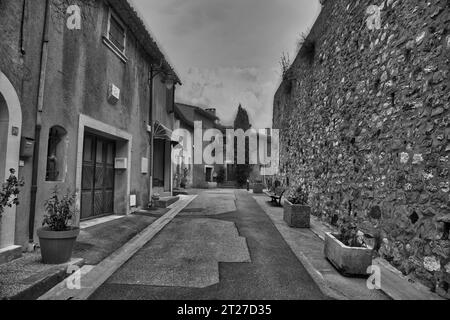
(97, 196)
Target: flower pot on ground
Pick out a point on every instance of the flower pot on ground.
(347, 250)
(350, 261)
(297, 213)
(57, 246)
(258, 187)
(57, 237)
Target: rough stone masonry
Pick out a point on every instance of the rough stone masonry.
(364, 113)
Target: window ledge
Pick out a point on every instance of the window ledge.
(114, 49)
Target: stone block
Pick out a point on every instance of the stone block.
(10, 253)
(166, 202)
(349, 261)
(258, 188)
(297, 216)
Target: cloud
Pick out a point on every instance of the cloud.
(227, 52)
(224, 88)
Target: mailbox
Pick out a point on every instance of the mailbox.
(26, 147)
(121, 164)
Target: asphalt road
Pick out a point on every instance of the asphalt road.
(237, 255)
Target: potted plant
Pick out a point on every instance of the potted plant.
(156, 196)
(347, 250)
(10, 192)
(184, 179)
(57, 237)
(258, 187)
(297, 213)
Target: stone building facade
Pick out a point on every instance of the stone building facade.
(78, 79)
(201, 175)
(365, 126)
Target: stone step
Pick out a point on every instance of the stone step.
(166, 202)
(10, 253)
(180, 192)
(228, 185)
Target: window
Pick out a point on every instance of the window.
(170, 99)
(115, 37)
(56, 154)
(116, 32)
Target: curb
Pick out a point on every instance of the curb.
(100, 273)
(318, 279)
(48, 280)
(417, 290)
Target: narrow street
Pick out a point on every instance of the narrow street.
(224, 151)
(222, 246)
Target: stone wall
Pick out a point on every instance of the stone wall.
(364, 113)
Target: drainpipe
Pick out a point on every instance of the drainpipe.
(150, 118)
(38, 127)
(22, 25)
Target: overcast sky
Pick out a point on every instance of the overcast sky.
(227, 52)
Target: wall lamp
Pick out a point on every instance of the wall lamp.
(169, 78)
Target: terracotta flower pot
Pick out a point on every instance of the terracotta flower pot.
(297, 216)
(57, 246)
(349, 261)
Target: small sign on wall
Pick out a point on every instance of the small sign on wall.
(144, 166)
(133, 201)
(113, 94)
(15, 131)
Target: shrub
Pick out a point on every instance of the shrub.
(300, 197)
(59, 211)
(307, 47)
(221, 175)
(10, 192)
(349, 233)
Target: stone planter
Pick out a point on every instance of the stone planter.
(296, 216)
(57, 246)
(258, 188)
(349, 261)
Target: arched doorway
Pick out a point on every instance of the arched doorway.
(10, 133)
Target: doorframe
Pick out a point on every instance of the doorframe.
(212, 173)
(8, 221)
(228, 163)
(92, 125)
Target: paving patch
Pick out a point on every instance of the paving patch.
(186, 254)
(211, 203)
(96, 243)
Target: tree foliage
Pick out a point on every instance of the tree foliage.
(285, 64)
(242, 120)
(243, 171)
(9, 192)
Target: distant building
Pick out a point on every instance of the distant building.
(207, 175)
(199, 175)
